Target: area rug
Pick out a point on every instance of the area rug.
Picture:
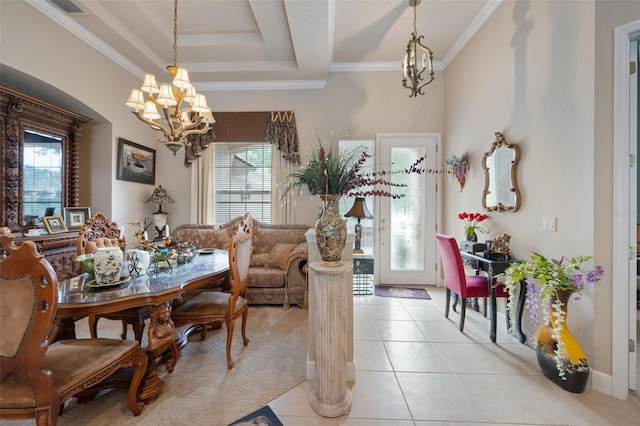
(262, 417)
(201, 390)
(403, 292)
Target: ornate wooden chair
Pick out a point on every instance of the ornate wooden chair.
(99, 232)
(213, 307)
(37, 378)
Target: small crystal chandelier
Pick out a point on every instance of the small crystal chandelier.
(412, 75)
(182, 120)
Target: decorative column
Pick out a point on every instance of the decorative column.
(330, 396)
(347, 256)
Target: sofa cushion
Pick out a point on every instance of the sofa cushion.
(266, 277)
(279, 255)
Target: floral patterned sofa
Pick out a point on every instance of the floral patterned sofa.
(278, 263)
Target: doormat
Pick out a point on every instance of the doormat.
(263, 417)
(404, 292)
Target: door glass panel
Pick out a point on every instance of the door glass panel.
(407, 233)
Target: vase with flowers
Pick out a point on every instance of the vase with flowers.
(549, 286)
(471, 224)
(331, 173)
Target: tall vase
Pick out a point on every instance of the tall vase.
(572, 361)
(331, 231)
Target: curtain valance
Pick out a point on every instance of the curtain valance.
(277, 127)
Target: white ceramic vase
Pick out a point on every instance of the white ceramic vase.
(107, 264)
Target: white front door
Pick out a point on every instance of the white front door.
(406, 252)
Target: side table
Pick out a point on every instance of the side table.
(362, 273)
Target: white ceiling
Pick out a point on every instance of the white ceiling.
(268, 44)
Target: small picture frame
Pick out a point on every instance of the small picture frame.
(75, 217)
(54, 224)
(136, 163)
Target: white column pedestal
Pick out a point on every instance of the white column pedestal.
(314, 256)
(330, 396)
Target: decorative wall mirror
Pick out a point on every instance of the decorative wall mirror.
(500, 186)
(40, 156)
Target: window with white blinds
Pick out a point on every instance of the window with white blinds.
(242, 180)
(42, 175)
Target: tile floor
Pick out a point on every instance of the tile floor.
(415, 368)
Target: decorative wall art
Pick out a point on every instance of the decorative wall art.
(458, 168)
(136, 163)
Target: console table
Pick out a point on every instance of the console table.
(493, 268)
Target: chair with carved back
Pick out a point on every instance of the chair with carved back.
(213, 307)
(36, 378)
(99, 232)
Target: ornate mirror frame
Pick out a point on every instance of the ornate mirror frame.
(18, 112)
(505, 187)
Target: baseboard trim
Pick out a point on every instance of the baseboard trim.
(601, 382)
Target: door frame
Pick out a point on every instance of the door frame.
(622, 281)
(437, 197)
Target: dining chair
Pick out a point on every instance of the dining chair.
(212, 307)
(455, 279)
(36, 378)
(98, 232)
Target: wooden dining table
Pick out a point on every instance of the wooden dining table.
(80, 296)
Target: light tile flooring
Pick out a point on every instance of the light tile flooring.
(415, 368)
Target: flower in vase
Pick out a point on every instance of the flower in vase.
(471, 221)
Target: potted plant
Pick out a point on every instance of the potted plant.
(331, 174)
(549, 285)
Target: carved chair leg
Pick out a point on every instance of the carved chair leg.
(245, 315)
(138, 329)
(124, 330)
(93, 326)
(203, 333)
(230, 325)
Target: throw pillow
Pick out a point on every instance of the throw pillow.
(278, 256)
(258, 260)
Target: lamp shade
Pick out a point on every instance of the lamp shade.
(359, 209)
(160, 197)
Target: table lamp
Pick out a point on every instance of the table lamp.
(160, 197)
(359, 210)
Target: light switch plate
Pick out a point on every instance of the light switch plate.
(549, 224)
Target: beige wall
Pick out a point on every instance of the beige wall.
(531, 73)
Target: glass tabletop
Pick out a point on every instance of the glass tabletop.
(83, 289)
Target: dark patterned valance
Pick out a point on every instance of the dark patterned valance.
(277, 127)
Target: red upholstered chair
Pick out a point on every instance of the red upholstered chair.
(213, 307)
(36, 377)
(456, 280)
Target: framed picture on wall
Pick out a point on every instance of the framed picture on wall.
(75, 217)
(136, 163)
(54, 224)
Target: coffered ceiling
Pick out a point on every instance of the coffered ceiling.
(267, 44)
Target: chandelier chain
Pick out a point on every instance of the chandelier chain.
(175, 33)
(415, 28)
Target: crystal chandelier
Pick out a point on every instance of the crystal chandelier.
(184, 111)
(413, 76)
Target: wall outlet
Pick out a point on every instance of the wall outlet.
(549, 224)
